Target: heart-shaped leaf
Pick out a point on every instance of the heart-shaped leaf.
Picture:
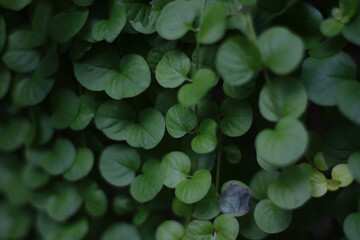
(65, 105)
(113, 117)
(87, 109)
(192, 93)
(235, 200)
(321, 77)
(206, 141)
(291, 190)
(354, 165)
(180, 120)
(64, 204)
(133, 79)
(65, 25)
(237, 117)
(109, 29)
(194, 189)
(118, 164)
(60, 158)
(175, 20)
(284, 145)
(176, 167)
(172, 69)
(238, 61)
(282, 98)
(281, 50)
(83, 164)
(270, 218)
(95, 200)
(348, 100)
(170, 230)
(148, 132)
(213, 24)
(121, 231)
(147, 185)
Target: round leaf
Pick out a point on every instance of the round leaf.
(281, 50)
(341, 173)
(170, 230)
(260, 182)
(330, 27)
(237, 117)
(121, 231)
(172, 69)
(118, 164)
(199, 229)
(175, 20)
(238, 61)
(180, 120)
(282, 98)
(352, 225)
(206, 141)
(194, 189)
(317, 179)
(235, 200)
(284, 145)
(270, 218)
(226, 227)
(176, 167)
(147, 185)
(292, 189)
(348, 100)
(83, 164)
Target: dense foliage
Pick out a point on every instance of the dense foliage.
(186, 119)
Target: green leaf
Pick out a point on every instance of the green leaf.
(133, 78)
(194, 189)
(147, 185)
(213, 24)
(321, 77)
(328, 47)
(317, 179)
(248, 227)
(5, 80)
(354, 165)
(31, 91)
(206, 208)
(83, 164)
(123, 204)
(96, 67)
(83, 3)
(176, 167)
(172, 69)
(15, 222)
(12, 134)
(113, 117)
(155, 54)
(148, 132)
(65, 25)
(351, 226)
(270, 218)
(319, 161)
(239, 92)
(341, 173)
(19, 54)
(175, 20)
(260, 182)
(199, 229)
(226, 227)
(348, 7)
(284, 145)
(282, 98)
(191, 93)
(118, 164)
(348, 100)
(86, 112)
(350, 31)
(15, 5)
(237, 117)
(180, 120)
(232, 153)
(2, 32)
(110, 28)
(121, 231)
(235, 200)
(238, 61)
(35, 177)
(330, 27)
(96, 202)
(65, 105)
(281, 50)
(292, 189)
(76, 230)
(169, 230)
(206, 141)
(64, 203)
(60, 158)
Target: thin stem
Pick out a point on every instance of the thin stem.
(197, 133)
(251, 28)
(218, 165)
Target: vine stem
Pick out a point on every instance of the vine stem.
(218, 166)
